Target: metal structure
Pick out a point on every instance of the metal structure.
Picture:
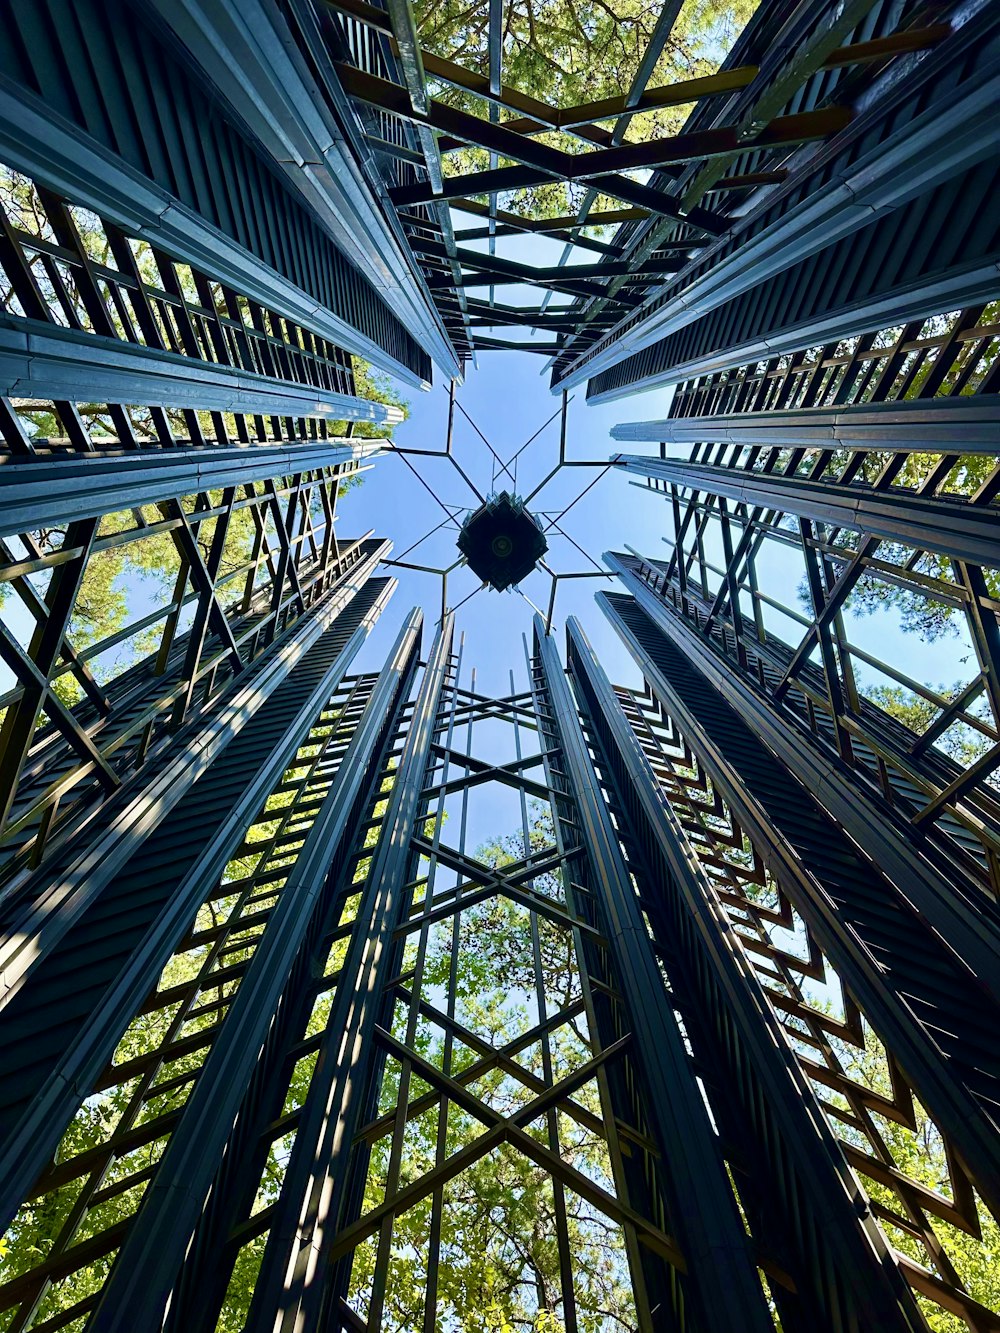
(821, 117)
(844, 811)
(335, 998)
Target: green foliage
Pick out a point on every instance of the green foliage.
(568, 52)
(500, 1261)
(960, 741)
(140, 573)
(377, 387)
(922, 1156)
(571, 51)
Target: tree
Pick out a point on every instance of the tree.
(500, 1262)
(500, 1270)
(960, 741)
(128, 580)
(568, 52)
(920, 1153)
(572, 51)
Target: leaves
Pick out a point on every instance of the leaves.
(569, 52)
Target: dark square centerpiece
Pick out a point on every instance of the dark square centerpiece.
(501, 541)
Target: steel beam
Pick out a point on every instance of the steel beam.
(711, 1235)
(38, 663)
(248, 51)
(962, 916)
(930, 1002)
(45, 361)
(292, 1284)
(107, 881)
(36, 140)
(875, 166)
(49, 491)
(796, 1163)
(40, 906)
(927, 523)
(140, 1284)
(954, 425)
(963, 284)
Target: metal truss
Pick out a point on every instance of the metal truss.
(284, 1047)
(260, 1098)
(860, 229)
(153, 414)
(137, 133)
(401, 1048)
(828, 965)
(791, 84)
(867, 516)
(95, 312)
(827, 1263)
(232, 926)
(246, 51)
(947, 365)
(301, 1101)
(842, 813)
(94, 694)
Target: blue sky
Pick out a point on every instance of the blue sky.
(509, 399)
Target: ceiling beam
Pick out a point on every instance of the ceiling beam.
(539, 164)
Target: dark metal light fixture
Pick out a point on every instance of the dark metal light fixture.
(501, 541)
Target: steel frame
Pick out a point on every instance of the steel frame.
(867, 517)
(130, 134)
(754, 122)
(832, 1267)
(339, 884)
(758, 863)
(833, 832)
(841, 211)
(67, 733)
(310, 137)
(230, 948)
(738, 965)
(94, 311)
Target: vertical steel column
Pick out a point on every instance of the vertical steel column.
(931, 523)
(703, 1207)
(292, 1287)
(146, 1268)
(926, 1005)
(965, 918)
(806, 1197)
